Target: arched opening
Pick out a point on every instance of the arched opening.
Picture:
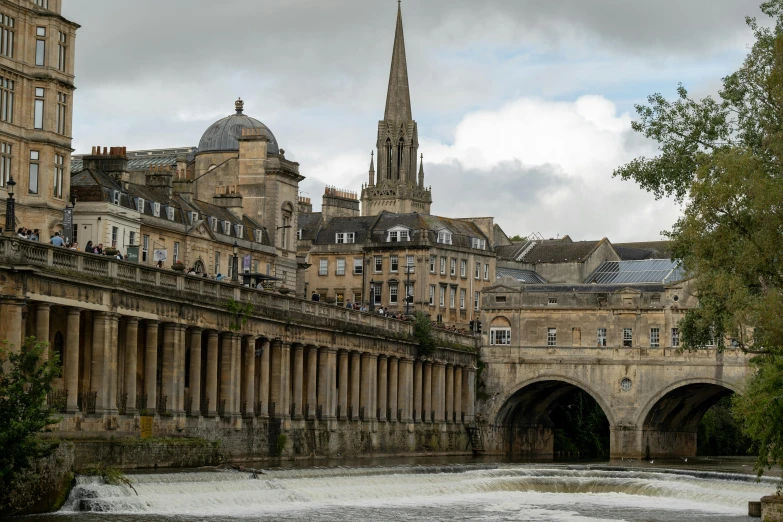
(554, 419)
(388, 159)
(400, 149)
(673, 423)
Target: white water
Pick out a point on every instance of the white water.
(506, 492)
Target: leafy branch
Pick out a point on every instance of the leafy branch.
(239, 314)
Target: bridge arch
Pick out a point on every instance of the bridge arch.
(670, 419)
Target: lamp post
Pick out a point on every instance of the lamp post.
(10, 208)
(235, 264)
(408, 270)
(372, 295)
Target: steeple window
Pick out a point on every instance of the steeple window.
(388, 159)
(400, 148)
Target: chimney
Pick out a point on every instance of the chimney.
(228, 197)
(305, 206)
(160, 177)
(112, 161)
(339, 203)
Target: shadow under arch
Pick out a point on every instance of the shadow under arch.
(670, 419)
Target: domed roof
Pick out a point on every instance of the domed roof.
(223, 134)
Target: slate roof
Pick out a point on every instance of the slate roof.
(643, 250)
(359, 225)
(511, 251)
(592, 289)
(223, 134)
(523, 276)
(559, 251)
(143, 160)
(308, 223)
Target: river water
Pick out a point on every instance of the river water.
(437, 492)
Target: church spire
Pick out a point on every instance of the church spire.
(372, 169)
(421, 172)
(398, 97)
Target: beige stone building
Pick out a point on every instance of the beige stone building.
(36, 104)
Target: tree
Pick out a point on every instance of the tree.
(722, 159)
(422, 332)
(517, 239)
(25, 382)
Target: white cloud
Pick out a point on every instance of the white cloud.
(555, 160)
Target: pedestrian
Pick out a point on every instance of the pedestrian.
(98, 250)
(57, 240)
(159, 264)
(35, 236)
(348, 304)
(75, 245)
(21, 233)
(316, 296)
(219, 277)
(119, 256)
(89, 248)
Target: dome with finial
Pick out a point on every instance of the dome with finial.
(224, 134)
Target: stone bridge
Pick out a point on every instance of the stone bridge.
(137, 341)
(653, 399)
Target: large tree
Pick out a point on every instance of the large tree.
(722, 157)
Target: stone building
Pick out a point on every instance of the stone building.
(36, 106)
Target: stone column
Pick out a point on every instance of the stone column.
(113, 358)
(250, 375)
(131, 363)
(324, 382)
(179, 368)
(373, 412)
(393, 387)
(286, 380)
(356, 372)
(458, 392)
(383, 384)
(365, 398)
(276, 378)
(227, 370)
(71, 362)
(469, 390)
(417, 398)
(11, 323)
(168, 389)
(331, 382)
(406, 389)
(312, 381)
(98, 370)
(449, 393)
(212, 373)
(342, 390)
(236, 375)
(195, 371)
(150, 364)
(298, 380)
(427, 388)
(42, 313)
(263, 379)
(440, 396)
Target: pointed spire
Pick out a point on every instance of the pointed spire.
(421, 171)
(372, 169)
(398, 97)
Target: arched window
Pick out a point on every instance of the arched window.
(500, 331)
(388, 159)
(400, 147)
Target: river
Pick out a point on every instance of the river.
(477, 491)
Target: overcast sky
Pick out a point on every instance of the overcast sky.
(523, 106)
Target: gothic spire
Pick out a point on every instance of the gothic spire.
(398, 97)
(372, 169)
(421, 171)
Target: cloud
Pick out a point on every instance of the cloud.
(546, 167)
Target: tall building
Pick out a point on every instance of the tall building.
(36, 107)
(397, 186)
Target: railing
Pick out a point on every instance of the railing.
(122, 403)
(205, 407)
(222, 408)
(423, 415)
(272, 407)
(259, 405)
(319, 412)
(350, 413)
(87, 401)
(338, 413)
(48, 256)
(141, 403)
(160, 404)
(188, 404)
(361, 413)
(243, 409)
(399, 415)
(57, 400)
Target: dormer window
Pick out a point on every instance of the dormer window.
(299, 234)
(239, 230)
(193, 218)
(444, 237)
(213, 223)
(227, 228)
(115, 197)
(259, 236)
(170, 213)
(140, 205)
(398, 234)
(345, 237)
(478, 244)
(156, 209)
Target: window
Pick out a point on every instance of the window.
(62, 49)
(442, 266)
(675, 337)
(284, 232)
(377, 294)
(397, 235)
(551, 337)
(453, 266)
(227, 227)
(42, 3)
(170, 212)
(394, 263)
(602, 337)
(553, 300)
(40, 46)
(258, 236)
(59, 167)
(5, 163)
(378, 263)
(299, 234)
(323, 267)
(239, 230)
(156, 209)
(217, 263)
(357, 297)
(194, 218)
(140, 204)
(444, 236)
(38, 113)
(476, 299)
(442, 296)
(32, 185)
(358, 266)
(213, 223)
(655, 337)
(145, 247)
(627, 337)
(340, 298)
(409, 292)
(432, 295)
(433, 260)
(114, 233)
(7, 36)
(393, 289)
(115, 197)
(478, 270)
(500, 298)
(452, 297)
(7, 99)
(410, 261)
(76, 233)
(176, 251)
(131, 237)
(463, 268)
(486, 272)
(340, 267)
(344, 237)
(479, 244)
(462, 298)
(60, 116)
(500, 336)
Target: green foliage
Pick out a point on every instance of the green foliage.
(720, 433)
(518, 239)
(25, 382)
(725, 155)
(422, 332)
(581, 426)
(239, 313)
(280, 444)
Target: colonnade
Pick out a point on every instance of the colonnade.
(117, 364)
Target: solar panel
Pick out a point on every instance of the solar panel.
(645, 271)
